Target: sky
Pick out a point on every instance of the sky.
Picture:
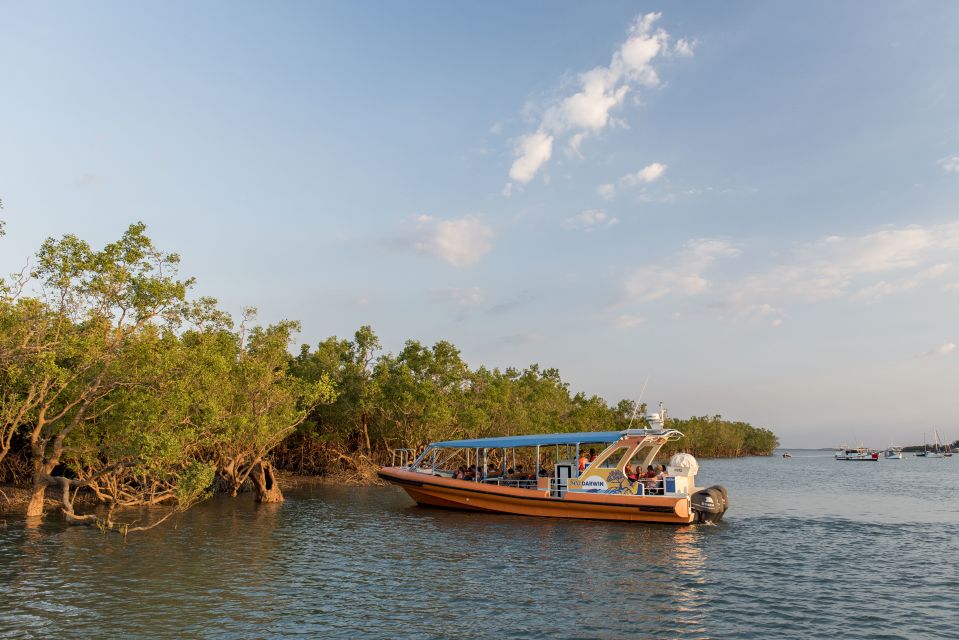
(753, 205)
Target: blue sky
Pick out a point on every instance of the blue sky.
(755, 204)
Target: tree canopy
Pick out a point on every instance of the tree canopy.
(115, 382)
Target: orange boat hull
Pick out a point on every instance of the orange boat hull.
(461, 494)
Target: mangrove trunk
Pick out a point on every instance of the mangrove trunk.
(264, 482)
(35, 506)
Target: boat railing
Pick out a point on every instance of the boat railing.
(558, 487)
(525, 483)
(404, 456)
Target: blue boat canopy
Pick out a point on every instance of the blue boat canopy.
(509, 442)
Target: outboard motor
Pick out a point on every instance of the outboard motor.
(710, 504)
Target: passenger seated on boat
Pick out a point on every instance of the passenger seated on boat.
(649, 477)
(583, 461)
(544, 472)
(631, 473)
(661, 480)
(592, 454)
(459, 473)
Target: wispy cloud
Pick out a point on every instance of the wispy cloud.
(468, 297)
(606, 191)
(950, 164)
(590, 219)
(597, 93)
(532, 151)
(684, 47)
(459, 242)
(648, 174)
(683, 273)
(865, 269)
(941, 350)
(629, 321)
(835, 266)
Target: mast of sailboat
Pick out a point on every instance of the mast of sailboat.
(638, 403)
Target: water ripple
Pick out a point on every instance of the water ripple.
(869, 560)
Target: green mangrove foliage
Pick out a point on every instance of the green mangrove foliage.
(423, 394)
(115, 384)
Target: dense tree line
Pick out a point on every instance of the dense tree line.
(114, 382)
(423, 394)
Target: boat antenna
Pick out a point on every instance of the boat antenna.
(638, 402)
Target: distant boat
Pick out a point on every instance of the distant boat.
(857, 453)
(937, 451)
(786, 454)
(925, 450)
(893, 453)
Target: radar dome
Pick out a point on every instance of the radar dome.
(685, 461)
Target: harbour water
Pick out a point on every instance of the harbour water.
(810, 548)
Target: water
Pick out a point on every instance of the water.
(810, 548)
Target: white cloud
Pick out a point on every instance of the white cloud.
(532, 152)
(590, 219)
(941, 350)
(684, 48)
(459, 242)
(936, 270)
(606, 191)
(878, 291)
(628, 321)
(598, 92)
(760, 313)
(649, 173)
(461, 297)
(950, 164)
(831, 267)
(684, 274)
(866, 269)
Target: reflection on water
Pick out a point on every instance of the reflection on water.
(808, 545)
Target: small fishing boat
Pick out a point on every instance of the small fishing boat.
(856, 453)
(892, 453)
(786, 455)
(561, 481)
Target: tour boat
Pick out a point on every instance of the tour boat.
(893, 453)
(856, 453)
(555, 485)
